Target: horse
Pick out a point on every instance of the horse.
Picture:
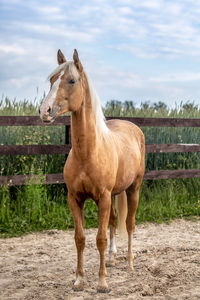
(107, 159)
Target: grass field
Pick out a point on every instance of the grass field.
(38, 207)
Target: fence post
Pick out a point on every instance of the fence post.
(67, 135)
(67, 141)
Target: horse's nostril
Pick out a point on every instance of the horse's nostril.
(39, 111)
(49, 110)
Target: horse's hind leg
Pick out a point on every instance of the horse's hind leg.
(112, 224)
(132, 203)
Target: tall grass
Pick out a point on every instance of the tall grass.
(37, 207)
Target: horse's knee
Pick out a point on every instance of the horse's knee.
(80, 241)
(101, 243)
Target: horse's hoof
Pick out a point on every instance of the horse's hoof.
(78, 288)
(102, 286)
(78, 285)
(130, 268)
(104, 290)
(110, 263)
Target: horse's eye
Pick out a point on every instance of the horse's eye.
(72, 81)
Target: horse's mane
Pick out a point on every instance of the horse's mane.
(95, 101)
(97, 110)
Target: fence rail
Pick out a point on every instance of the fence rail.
(64, 149)
(59, 179)
(155, 122)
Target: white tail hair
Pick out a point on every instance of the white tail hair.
(122, 214)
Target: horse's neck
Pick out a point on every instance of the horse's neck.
(83, 130)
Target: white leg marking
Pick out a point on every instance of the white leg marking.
(113, 248)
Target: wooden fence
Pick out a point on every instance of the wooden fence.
(64, 149)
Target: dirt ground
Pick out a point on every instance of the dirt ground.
(42, 265)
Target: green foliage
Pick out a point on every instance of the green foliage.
(30, 208)
(40, 207)
(164, 200)
(163, 135)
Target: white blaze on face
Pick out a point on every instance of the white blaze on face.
(50, 99)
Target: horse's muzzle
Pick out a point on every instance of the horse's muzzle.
(46, 118)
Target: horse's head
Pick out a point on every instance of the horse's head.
(66, 91)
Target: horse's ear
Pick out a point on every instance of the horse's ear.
(77, 61)
(60, 57)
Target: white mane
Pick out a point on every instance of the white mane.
(97, 110)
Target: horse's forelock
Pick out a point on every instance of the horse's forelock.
(62, 67)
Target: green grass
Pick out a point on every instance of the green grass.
(41, 207)
(31, 208)
(164, 200)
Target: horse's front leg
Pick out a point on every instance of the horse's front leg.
(77, 210)
(104, 205)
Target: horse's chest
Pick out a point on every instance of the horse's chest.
(83, 184)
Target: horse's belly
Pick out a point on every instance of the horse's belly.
(123, 183)
(128, 171)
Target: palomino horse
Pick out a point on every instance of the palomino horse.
(106, 159)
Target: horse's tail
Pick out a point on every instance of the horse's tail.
(122, 214)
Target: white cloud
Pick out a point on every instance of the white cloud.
(125, 10)
(179, 77)
(174, 9)
(12, 2)
(150, 26)
(156, 31)
(58, 31)
(19, 82)
(12, 48)
(144, 52)
(150, 4)
(51, 13)
(48, 10)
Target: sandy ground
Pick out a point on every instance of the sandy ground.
(42, 265)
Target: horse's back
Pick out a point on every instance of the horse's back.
(123, 129)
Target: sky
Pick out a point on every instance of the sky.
(131, 49)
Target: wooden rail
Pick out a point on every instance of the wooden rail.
(155, 122)
(64, 149)
(59, 179)
(31, 121)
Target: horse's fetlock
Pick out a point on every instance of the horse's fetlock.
(80, 273)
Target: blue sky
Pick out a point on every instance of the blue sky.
(132, 50)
